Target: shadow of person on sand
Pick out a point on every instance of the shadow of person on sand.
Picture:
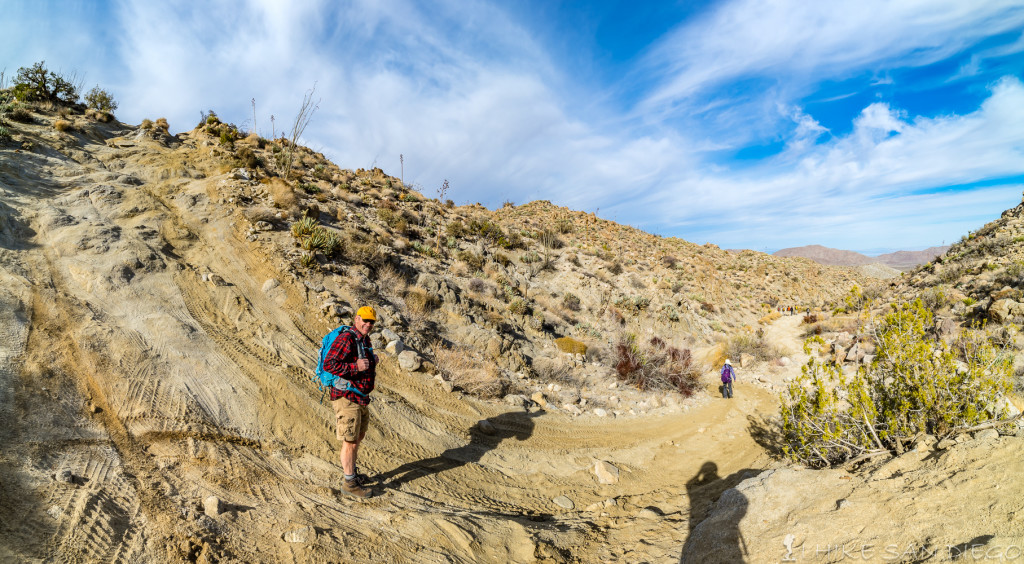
(483, 437)
(716, 538)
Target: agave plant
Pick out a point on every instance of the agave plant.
(305, 227)
(317, 240)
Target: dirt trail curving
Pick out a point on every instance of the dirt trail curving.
(144, 368)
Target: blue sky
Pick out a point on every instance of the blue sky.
(874, 125)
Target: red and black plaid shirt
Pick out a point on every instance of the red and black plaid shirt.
(341, 361)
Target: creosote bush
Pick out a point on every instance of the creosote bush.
(916, 384)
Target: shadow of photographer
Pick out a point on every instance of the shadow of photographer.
(485, 436)
(716, 537)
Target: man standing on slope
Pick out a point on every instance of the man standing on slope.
(728, 376)
(351, 359)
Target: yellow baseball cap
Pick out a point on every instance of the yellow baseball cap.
(367, 313)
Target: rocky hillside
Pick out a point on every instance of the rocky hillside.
(162, 298)
(899, 260)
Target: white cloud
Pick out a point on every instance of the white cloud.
(800, 42)
(881, 184)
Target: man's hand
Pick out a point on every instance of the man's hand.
(362, 364)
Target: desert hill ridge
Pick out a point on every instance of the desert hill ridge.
(899, 260)
(159, 318)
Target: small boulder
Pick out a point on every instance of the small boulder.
(600, 412)
(409, 360)
(515, 400)
(212, 506)
(270, 284)
(986, 435)
(539, 399)
(395, 347)
(390, 335)
(564, 502)
(606, 472)
(486, 427)
(65, 476)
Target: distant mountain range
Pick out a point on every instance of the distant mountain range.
(900, 260)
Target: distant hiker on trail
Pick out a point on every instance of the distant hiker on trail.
(351, 359)
(728, 376)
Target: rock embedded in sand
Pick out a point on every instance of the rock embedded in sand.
(486, 427)
(212, 506)
(539, 399)
(564, 502)
(300, 535)
(606, 472)
(600, 412)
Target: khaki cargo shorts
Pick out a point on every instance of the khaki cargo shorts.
(352, 419)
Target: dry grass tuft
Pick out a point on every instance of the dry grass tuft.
(473, 376)
(63, 125)
(282, 194)
(390, 281)
(420, 302)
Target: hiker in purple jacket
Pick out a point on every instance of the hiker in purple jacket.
(728, 377)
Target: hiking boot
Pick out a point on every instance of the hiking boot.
(353, 488)
(363, 480)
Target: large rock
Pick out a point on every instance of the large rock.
(1004, 310)
(410, 361)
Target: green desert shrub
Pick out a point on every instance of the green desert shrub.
(916, 384)
(100, 99)
(38, 84)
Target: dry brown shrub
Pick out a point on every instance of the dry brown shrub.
(420, 302)
(62, 125)
(162, 124)
(470, 374)
(390, 281)
(282, 194)
(146, 124)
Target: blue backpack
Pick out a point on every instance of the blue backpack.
(325, 379)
